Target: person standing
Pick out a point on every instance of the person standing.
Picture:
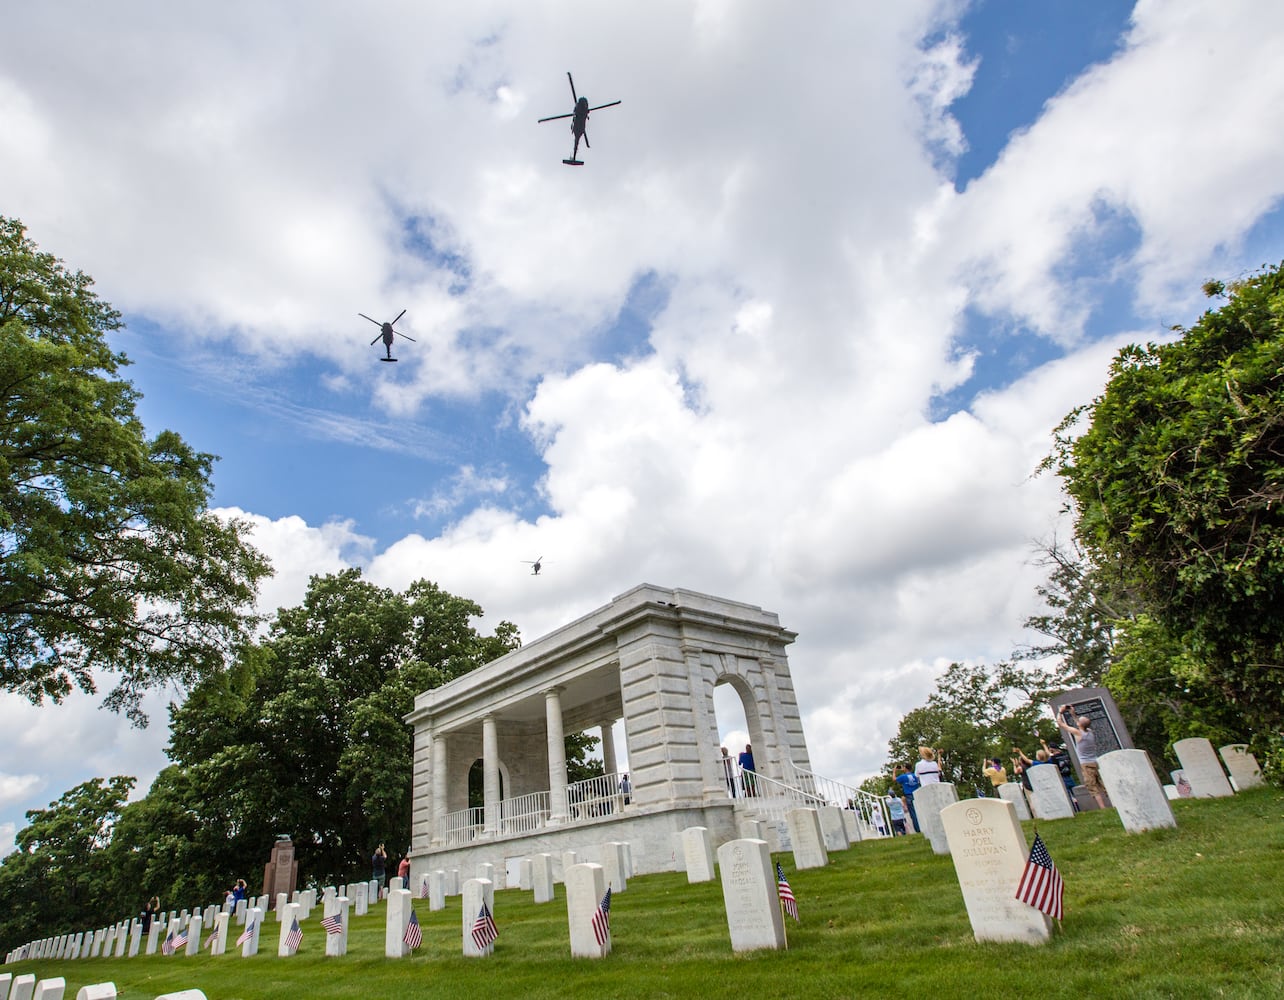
(909, 783)
(379, 866)
(747, 773)
(150, 912)
(1085, 745)
(995, 771)
(403, 872)
(928, 767)
(729, 771)
(896, 812)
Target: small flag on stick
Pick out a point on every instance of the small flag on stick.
(602, 919)
(1041, 885)
(167, 946)
(213, 935)
(295, 937)
(414, 935)
(180, 941)
(423, 889)
(787, 901)
(484, 930)
(333, 924)
(246, 934)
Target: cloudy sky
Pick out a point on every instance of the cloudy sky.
(795, 334)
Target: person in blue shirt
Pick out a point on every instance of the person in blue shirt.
(747, 773)
(909, 782)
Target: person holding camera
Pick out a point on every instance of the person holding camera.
(1085, 745)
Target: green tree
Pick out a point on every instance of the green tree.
(1176, 474)
(56, 878)
(304, 734)
(109, 558)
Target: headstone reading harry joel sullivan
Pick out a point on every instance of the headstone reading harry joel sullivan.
(989, 853)
(1135, 792)
(1202, 768)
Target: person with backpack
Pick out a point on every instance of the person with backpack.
(910, 783)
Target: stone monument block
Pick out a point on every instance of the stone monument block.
(476, 891)
(832, 829)
(750, 895)
(929, 800)
(989, 853)
(1098, 705)
(542, 877)
(697, 852)
(281, 873)
(804, 834)
(1202, 769)
(1135, 791)
(1048, 799)
(1013, 792)
(397, 919)
(585, 887)
(615, 866)
(1242, 765)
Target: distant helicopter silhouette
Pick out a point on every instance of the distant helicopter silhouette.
(386, 331)
(580, 123)
(534, 564)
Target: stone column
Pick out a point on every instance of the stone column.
(440, 789)
(556, 756)
(608, 747)
(490, 772)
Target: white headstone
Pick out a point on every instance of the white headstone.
(808, 842)
(292, 912)
(153, 935)
(1135, 791)
(487, 871)
(750, 895)
(135, 937)
(253, 924)
(929, 800)
(242, 908)
(396, 882)
(569, 860)
(525, 873)
(832, 828)
(1171, 792)
(122, 938)
(1202, 769)
(362, 890)
(337, 944)
(476, 891)
(1048, 799)
(452, 881)
(193, 935)
(1013, 792)
(1242, 765)
(220, 932)
(6, 978)
(50, 989)
(542, 877)
(851, 824)
(210, 915)
(97, 991)
(23, 986)
(697, 852)
(183, 995)
(282, 901)
(396, 921)
(614, 866)
(585, 887)
(373, 893)
(109, 941)
(989, 854)
(95, 949)
(750, 829)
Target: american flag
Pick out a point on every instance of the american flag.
(167, 946)
(423, 889)
(787, 901)
(1041, 884)
(180, 941)
(602, 919)
(246, 934)
(333, 924)
(213, 937)
(295, 937)
(414, 935)
(484, 930)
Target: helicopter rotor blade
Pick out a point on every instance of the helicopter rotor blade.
(573, 94)
(554, 118)
(586, 142)
(374, 321)
(375, 341)
(404, 337)
(399, 315)
(601, 106)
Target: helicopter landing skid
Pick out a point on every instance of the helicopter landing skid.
(574, 163)
(387, 359)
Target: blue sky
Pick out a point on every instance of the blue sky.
(796, 334)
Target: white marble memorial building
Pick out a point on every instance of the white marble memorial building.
(652, 658)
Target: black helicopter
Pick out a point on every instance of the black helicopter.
(386, 331)
(534, 564)
(578, 126)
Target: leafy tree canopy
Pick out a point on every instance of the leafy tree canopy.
(1177, 478)
(109, 558)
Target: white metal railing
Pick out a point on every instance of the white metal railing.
(464, 825)
(525, 813)
(870, 809)
(603, 795)
(771, 798)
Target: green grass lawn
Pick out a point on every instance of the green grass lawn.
(1193, 912)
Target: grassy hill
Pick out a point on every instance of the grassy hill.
(1193, 912)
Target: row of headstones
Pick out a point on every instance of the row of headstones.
(26, 987)
(1201, 775)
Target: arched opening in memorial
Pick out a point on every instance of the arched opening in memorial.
(739, 725)
(477, 784)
